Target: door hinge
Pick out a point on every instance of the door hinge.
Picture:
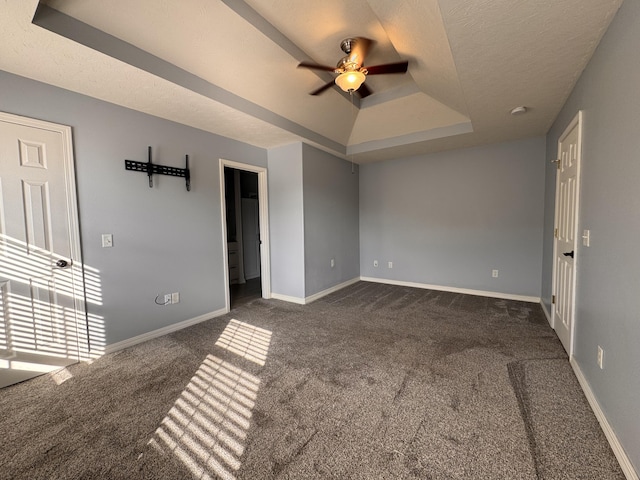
(553, 299)
(558, 162)
(555, 233)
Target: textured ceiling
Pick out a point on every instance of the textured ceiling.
(229, 67)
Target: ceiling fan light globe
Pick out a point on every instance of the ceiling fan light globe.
(352, 80)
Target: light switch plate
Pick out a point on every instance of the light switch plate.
(107, 240)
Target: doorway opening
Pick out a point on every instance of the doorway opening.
(245, 233)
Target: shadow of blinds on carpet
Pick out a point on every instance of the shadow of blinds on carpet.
(207, 426)
(246, 340)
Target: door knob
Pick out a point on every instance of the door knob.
(568, 254)
(62, 264)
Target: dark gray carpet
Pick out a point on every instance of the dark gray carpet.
(371, 382)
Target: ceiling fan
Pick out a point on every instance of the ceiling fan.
(351, 70)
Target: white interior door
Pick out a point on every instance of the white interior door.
(42, 320)
(567, 190)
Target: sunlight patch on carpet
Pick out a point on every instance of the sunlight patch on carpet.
(61, 376)
(246, 340)
(207, 425)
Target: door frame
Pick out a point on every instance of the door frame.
(71, 193)
(263, 205)
(576, 121)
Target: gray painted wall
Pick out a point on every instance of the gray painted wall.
(313, 215)
(608, 272)
(330, 220)
(286, 220)
(165, 239)
(450, 218)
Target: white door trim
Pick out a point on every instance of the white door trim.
(263, 205)
(576, 121)
(77, 274)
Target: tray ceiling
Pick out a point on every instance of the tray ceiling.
(229, 67)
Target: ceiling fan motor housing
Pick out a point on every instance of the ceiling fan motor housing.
(346, 65)
(345, 45)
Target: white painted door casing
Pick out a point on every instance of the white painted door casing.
(263, 213)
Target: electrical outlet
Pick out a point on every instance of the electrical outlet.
(175, 297)
(600, 357)
(494, 273)
(375, 263)
(333, 263)
(167, 299)
(390, 264)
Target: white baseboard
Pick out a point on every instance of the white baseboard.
(621, 455)
(441, 288)
(315, 296)
(546, 313)
(129, 342)
(335, 288)
(287, 298)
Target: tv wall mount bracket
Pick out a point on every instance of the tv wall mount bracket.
(151, 168)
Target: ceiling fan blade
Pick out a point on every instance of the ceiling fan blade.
(400, 67)
(326, 86)
(364, 91)
(359, 49)
(315, 66)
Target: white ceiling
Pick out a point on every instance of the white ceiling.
(229, 66)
